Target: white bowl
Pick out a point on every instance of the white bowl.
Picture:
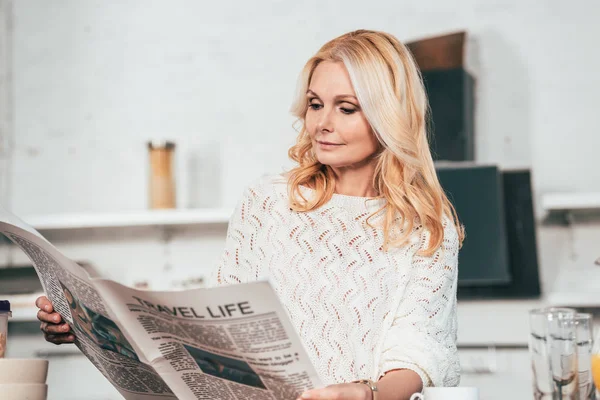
(24, 391)
(23, 370)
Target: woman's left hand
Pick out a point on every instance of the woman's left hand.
(342, 391)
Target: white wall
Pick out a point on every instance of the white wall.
(5, 98)
(93, 80)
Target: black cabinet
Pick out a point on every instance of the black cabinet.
(499, 255)
(451, 118)
(477, 194)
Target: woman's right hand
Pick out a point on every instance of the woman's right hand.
(55, 329)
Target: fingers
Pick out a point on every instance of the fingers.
(54, 331)
(43, 303)
(54, 328)
(53, 318)
(60, 338)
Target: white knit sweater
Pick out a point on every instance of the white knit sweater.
(359, 310)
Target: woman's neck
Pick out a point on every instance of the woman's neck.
(356, 182)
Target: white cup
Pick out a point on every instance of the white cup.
(23, 370)
(24, 391)
(447, 393)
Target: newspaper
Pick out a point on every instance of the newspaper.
(229, 342)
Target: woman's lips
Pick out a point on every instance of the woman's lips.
(328, 145)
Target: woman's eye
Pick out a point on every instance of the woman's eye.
(315, 106)
(347, 110)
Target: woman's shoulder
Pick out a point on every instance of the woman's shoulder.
(450, 233)
(451, 240)
(450, 229)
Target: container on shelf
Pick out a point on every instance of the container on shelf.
(5, 313)
(162, 177)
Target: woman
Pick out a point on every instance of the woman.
(359, 239)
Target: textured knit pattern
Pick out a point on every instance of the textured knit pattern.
(359, 310)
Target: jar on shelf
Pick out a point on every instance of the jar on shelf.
(162, 176)
(5, 313)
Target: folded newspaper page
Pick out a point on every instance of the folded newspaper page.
(231, 342)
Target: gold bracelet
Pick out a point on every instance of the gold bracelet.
(372, 385)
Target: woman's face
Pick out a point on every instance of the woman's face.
(340, 134)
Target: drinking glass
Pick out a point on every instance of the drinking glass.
(585, 335)
(562, 352)
(596, 363)
(543, 386)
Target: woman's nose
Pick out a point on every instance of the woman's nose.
(325, 123)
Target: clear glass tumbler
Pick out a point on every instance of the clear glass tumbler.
(585, 339)
(596, 364)
(543, 383)
(563, 351)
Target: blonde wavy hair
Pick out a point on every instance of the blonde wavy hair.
(390, 91)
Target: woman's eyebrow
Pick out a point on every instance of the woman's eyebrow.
(339, 96)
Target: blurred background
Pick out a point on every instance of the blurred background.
(85, 85)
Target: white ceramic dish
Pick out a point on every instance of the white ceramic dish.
(447, 393)
(23, 370)
(24, 391)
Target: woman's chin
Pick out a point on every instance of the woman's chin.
(334, 162)
(329, 162)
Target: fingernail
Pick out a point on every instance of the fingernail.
(47, 308)
(56, 319)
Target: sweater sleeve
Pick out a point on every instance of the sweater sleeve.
(237, 260)
(422, 337)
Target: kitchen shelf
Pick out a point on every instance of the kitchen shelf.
(570, 201)
(128, 219)
(24, 314)
(574, 299)
(22, 306)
